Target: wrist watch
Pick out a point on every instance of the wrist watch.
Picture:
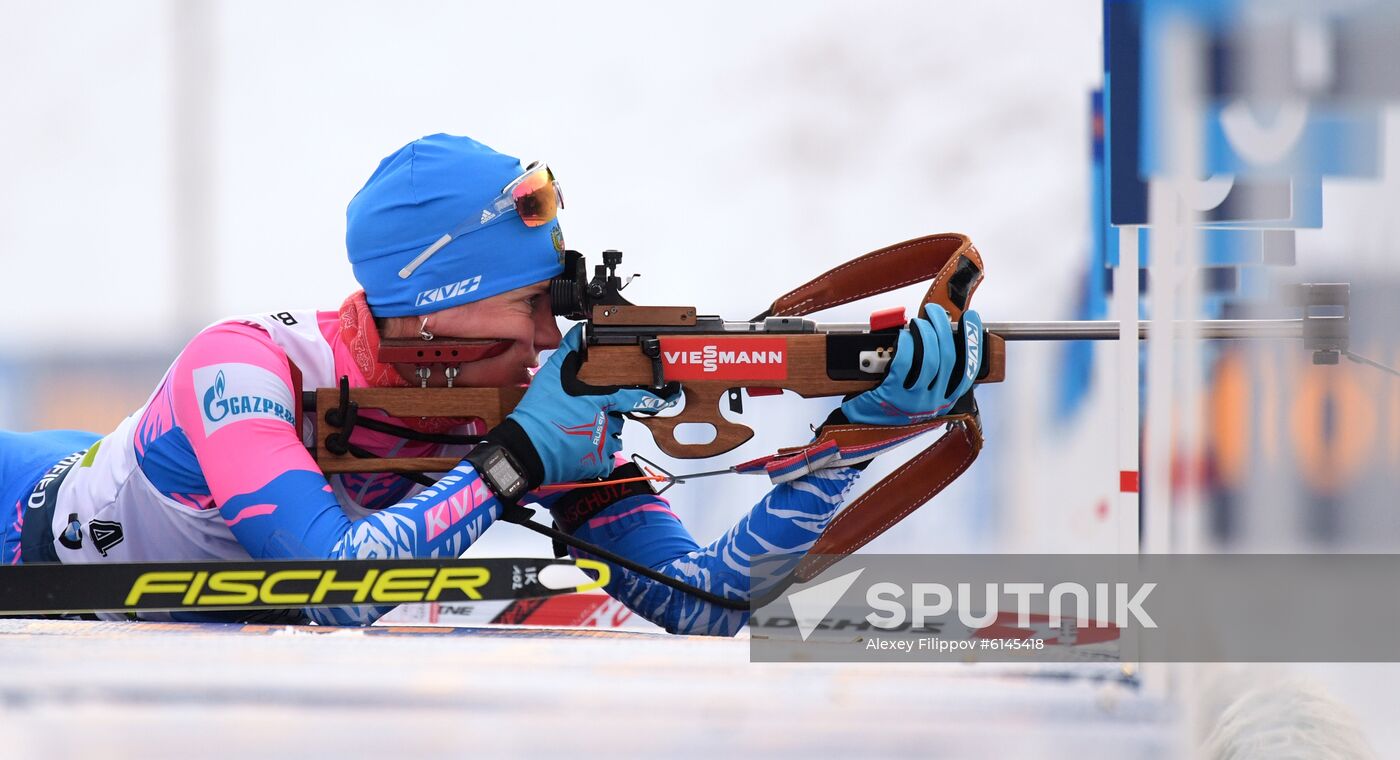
(496, 466)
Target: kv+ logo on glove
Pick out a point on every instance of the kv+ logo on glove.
(921, 383)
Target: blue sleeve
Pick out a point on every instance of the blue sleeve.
(233, 397)
(780, 529)
(440, 521)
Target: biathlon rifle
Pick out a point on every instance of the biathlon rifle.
(717, 361)
(714, 360)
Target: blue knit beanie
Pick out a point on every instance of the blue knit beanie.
(422, 191)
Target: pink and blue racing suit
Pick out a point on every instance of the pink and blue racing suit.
(215, 466)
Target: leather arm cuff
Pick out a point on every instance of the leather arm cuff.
(576, 507)
(838, 417)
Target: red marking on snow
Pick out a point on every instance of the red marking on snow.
(1101, 511)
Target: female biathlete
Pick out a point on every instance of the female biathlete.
(447, 238)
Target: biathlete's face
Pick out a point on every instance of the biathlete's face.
(522, 315)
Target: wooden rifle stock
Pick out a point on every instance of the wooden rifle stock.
(626, 346)
(807, 375)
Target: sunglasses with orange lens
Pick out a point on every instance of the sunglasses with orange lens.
(534, 196)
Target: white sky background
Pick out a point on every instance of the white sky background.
(731, 150)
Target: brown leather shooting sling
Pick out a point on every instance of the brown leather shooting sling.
(954, 269)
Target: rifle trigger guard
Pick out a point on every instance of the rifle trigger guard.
(701, 406)
(651, 348)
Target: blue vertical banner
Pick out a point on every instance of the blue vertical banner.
(1270, 134)
(1075, 379)
(1283, 96)
(1265, 153)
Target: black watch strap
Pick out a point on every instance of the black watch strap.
(502, 472)
(511, 437)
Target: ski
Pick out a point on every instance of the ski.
(588, 610)
(251, 585)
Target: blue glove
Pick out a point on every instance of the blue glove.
(920, 384)
(564, 430)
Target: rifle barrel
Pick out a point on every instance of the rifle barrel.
(1216, 329)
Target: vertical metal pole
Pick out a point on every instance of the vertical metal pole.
(1128, 516)
(192, 160)
(1125, 307)
(1158, 441)
(1173, 388)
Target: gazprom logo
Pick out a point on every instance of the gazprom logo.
(448, 292)
(215, 395)
(235, 392)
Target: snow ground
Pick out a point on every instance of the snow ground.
(79, 689)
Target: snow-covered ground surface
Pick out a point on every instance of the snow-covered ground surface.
(84, 689)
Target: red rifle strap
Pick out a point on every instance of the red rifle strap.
(852, 436)
(906, 489)
(948, 259)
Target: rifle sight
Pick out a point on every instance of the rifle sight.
(573, 296)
